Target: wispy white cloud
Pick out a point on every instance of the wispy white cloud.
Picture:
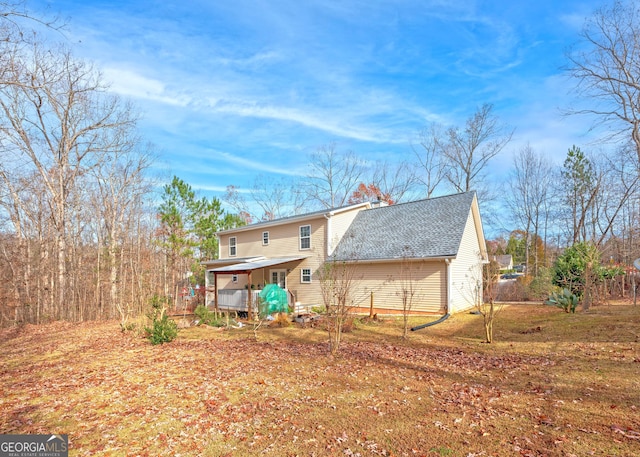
(239, 88)
(356, 121)
(217, 189)
(250, 163)
(308, 119)
(132, 84)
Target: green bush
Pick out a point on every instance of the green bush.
(205, 316)
(571, 269)
(319, 309)
(565, 300)
(163, 329)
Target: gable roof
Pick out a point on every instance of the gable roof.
(420, 229)
(505, 260)
(295, 218)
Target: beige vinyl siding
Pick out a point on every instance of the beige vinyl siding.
(262, 276)
(225, 281)
(466, 269)
(429, 284)
(306, 293)
(283, 240)
(380, 278)
(339, 224)
(385, 281)
(284, 236)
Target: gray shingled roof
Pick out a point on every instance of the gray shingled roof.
(287, 219)
(424, 228)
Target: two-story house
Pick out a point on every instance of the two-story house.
(435, 247)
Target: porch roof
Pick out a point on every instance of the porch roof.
(256, 264)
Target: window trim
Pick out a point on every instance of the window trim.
(265, 239)
(300, 237)
(233, 247)
(303, 275)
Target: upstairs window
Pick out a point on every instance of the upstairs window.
(265, 238)
(305, 237)
(232, 246)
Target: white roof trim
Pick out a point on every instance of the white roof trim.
(256, 264)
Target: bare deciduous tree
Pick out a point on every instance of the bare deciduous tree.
(338, 277)
(531, 184)
(120, 183)
(621, 178)
(469, 151)
(430, 152)
(458, 157)
(606, 67)
(234, 197)
(58, 121)
(276, 197)
(394, 180)
(17, 31)
(407, 287)
(486, 304)
(334, 176)
(337, 281)
(267, 198)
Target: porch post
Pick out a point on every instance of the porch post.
(215, 291)
(250, 297)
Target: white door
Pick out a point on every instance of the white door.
(279, 277)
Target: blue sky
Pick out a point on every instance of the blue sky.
(232, 89)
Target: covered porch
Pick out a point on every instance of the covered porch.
(260, 270)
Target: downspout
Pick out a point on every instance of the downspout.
(446, 316)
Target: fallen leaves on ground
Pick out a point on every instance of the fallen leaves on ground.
(114, 394)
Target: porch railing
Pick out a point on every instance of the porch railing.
(236, 300)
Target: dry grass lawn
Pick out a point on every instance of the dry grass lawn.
(553, 384)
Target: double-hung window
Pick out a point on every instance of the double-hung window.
(305, 275)
(265, 238)
(232, 246)
(305, 237)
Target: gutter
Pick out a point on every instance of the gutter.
(398, 259)
(446, 316)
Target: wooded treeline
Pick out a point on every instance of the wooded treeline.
(84, 233)
(75, 226)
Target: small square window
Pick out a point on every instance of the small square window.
(305, 237)
(265, 238)
(232, 246)
(305, 275)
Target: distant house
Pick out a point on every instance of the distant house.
(505, 262)
(440, 241)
